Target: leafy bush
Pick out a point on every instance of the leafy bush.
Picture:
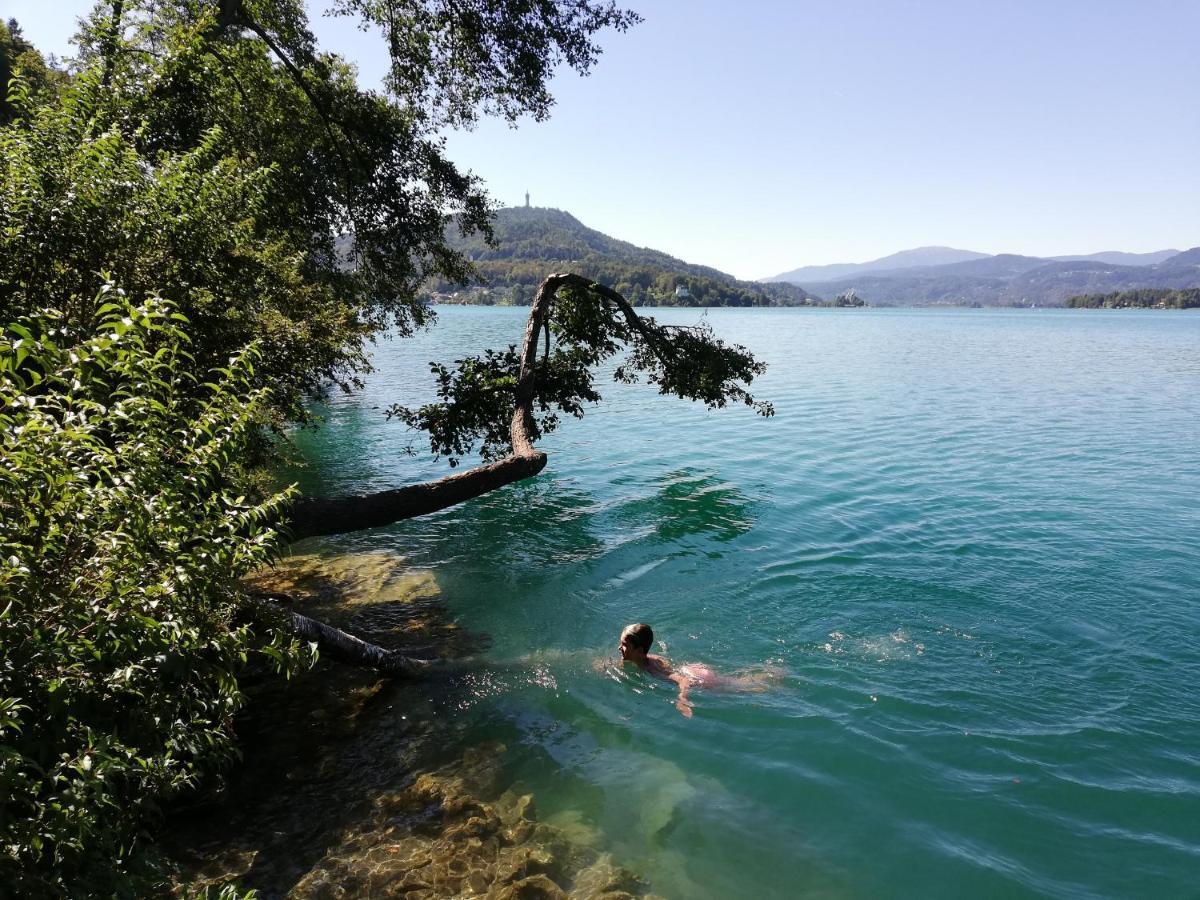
(80, 196)
(121, 546)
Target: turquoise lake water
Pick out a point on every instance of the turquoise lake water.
(969, 540)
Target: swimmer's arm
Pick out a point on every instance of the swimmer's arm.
(681, 702)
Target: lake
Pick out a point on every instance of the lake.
(967, 545)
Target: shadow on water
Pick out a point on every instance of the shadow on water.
(547, 521)
(687, 503)
(551, 521)
(542, 522)
(355, 785)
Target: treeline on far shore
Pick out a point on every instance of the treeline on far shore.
(512, 282)
(1141, 298)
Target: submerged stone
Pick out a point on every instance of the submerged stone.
(535, 887)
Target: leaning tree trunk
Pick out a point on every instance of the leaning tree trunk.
(336, 515)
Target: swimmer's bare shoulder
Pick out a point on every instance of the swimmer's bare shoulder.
(659, 666)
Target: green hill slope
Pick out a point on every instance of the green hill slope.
(533, 242)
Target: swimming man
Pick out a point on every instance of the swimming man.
(636, 641)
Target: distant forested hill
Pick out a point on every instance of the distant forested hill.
(533, 242)
(1147, 298)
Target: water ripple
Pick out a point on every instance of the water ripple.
(970, 540)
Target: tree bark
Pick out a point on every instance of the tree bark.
(337, 515)
(111, 39)
(229, 12)
(344, 647)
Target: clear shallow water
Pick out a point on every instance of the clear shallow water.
(971, 540)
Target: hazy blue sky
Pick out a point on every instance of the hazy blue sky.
(760, 136)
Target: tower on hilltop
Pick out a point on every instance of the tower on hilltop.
(527, 199)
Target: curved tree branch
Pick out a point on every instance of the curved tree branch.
(337, 515)
(341, 514)
(298, 78)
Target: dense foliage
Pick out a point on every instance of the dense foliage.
(1146, 298)
(81, 202)
(531, 242)
(120, 550)
(302, 162)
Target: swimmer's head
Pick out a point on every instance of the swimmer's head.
(636, 641)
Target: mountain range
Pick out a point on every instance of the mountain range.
(905, 259)
(946, 276)
(928, 257)
(532, 242)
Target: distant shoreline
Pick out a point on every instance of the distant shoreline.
(827, 308)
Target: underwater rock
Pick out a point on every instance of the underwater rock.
(518, 862)
(574, 828)
(518, 832)
(375, 596)
(346, 581)
(535, 887)
(512, 807)
(455, 844)
(603, 879)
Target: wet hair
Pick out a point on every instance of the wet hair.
(641, 634)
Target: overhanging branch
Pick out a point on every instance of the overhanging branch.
(337, 515)
(341, 514)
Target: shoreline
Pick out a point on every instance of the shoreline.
(353, 783)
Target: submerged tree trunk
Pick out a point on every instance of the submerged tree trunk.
(339, 645)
